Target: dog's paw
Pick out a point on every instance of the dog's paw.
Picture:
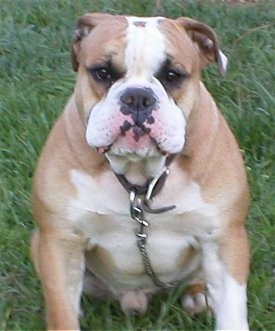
(194, 301)
(134, 303)
(194, 304)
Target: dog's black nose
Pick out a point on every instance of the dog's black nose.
(137, 100)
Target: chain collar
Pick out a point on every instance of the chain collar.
(148, 191)
(140, 199)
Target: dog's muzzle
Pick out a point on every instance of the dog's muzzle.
(137, 120)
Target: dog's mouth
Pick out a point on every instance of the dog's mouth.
(134, 141)
(138, 131)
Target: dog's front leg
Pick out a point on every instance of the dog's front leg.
(225, 264)
(60, 265)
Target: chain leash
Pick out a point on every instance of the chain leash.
(137, 214)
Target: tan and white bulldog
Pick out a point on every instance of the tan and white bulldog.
(111, 221)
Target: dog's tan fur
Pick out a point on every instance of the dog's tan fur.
(210, 158)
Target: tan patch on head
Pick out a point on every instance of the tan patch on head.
(104, 45)
(180, 48)
(183, 55)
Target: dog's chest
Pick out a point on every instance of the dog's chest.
(100, 210)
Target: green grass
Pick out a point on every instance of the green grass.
(35, 82)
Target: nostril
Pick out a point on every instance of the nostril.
(148, 101)
(128, 100)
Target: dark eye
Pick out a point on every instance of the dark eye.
(172, 76)
(105, 74)
(102, 74)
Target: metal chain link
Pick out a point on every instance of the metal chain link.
(137, 214)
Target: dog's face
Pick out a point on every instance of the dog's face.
(138, 80)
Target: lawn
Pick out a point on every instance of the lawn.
(35, 81)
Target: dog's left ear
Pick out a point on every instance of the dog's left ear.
(85, 25)
(207, 41)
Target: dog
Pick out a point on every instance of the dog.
(141, 185)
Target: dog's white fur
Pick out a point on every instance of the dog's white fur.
(83, 211)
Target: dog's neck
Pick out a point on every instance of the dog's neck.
(135, 173)
(137, 170)
(148, 190)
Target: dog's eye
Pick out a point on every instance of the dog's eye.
(101, 74)
(172, 76)
(105, 74)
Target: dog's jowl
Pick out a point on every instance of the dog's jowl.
(141, 186)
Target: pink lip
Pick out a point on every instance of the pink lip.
(103, 150)
(134, 138)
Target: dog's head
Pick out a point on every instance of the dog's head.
(138, 80)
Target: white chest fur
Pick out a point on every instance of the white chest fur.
(100, 211)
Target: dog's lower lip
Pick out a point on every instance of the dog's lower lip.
(104, 149)
(164, 153)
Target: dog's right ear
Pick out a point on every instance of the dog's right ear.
(85, 25)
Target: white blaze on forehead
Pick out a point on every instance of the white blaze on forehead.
(145, 50)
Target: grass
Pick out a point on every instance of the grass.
(35, 82)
